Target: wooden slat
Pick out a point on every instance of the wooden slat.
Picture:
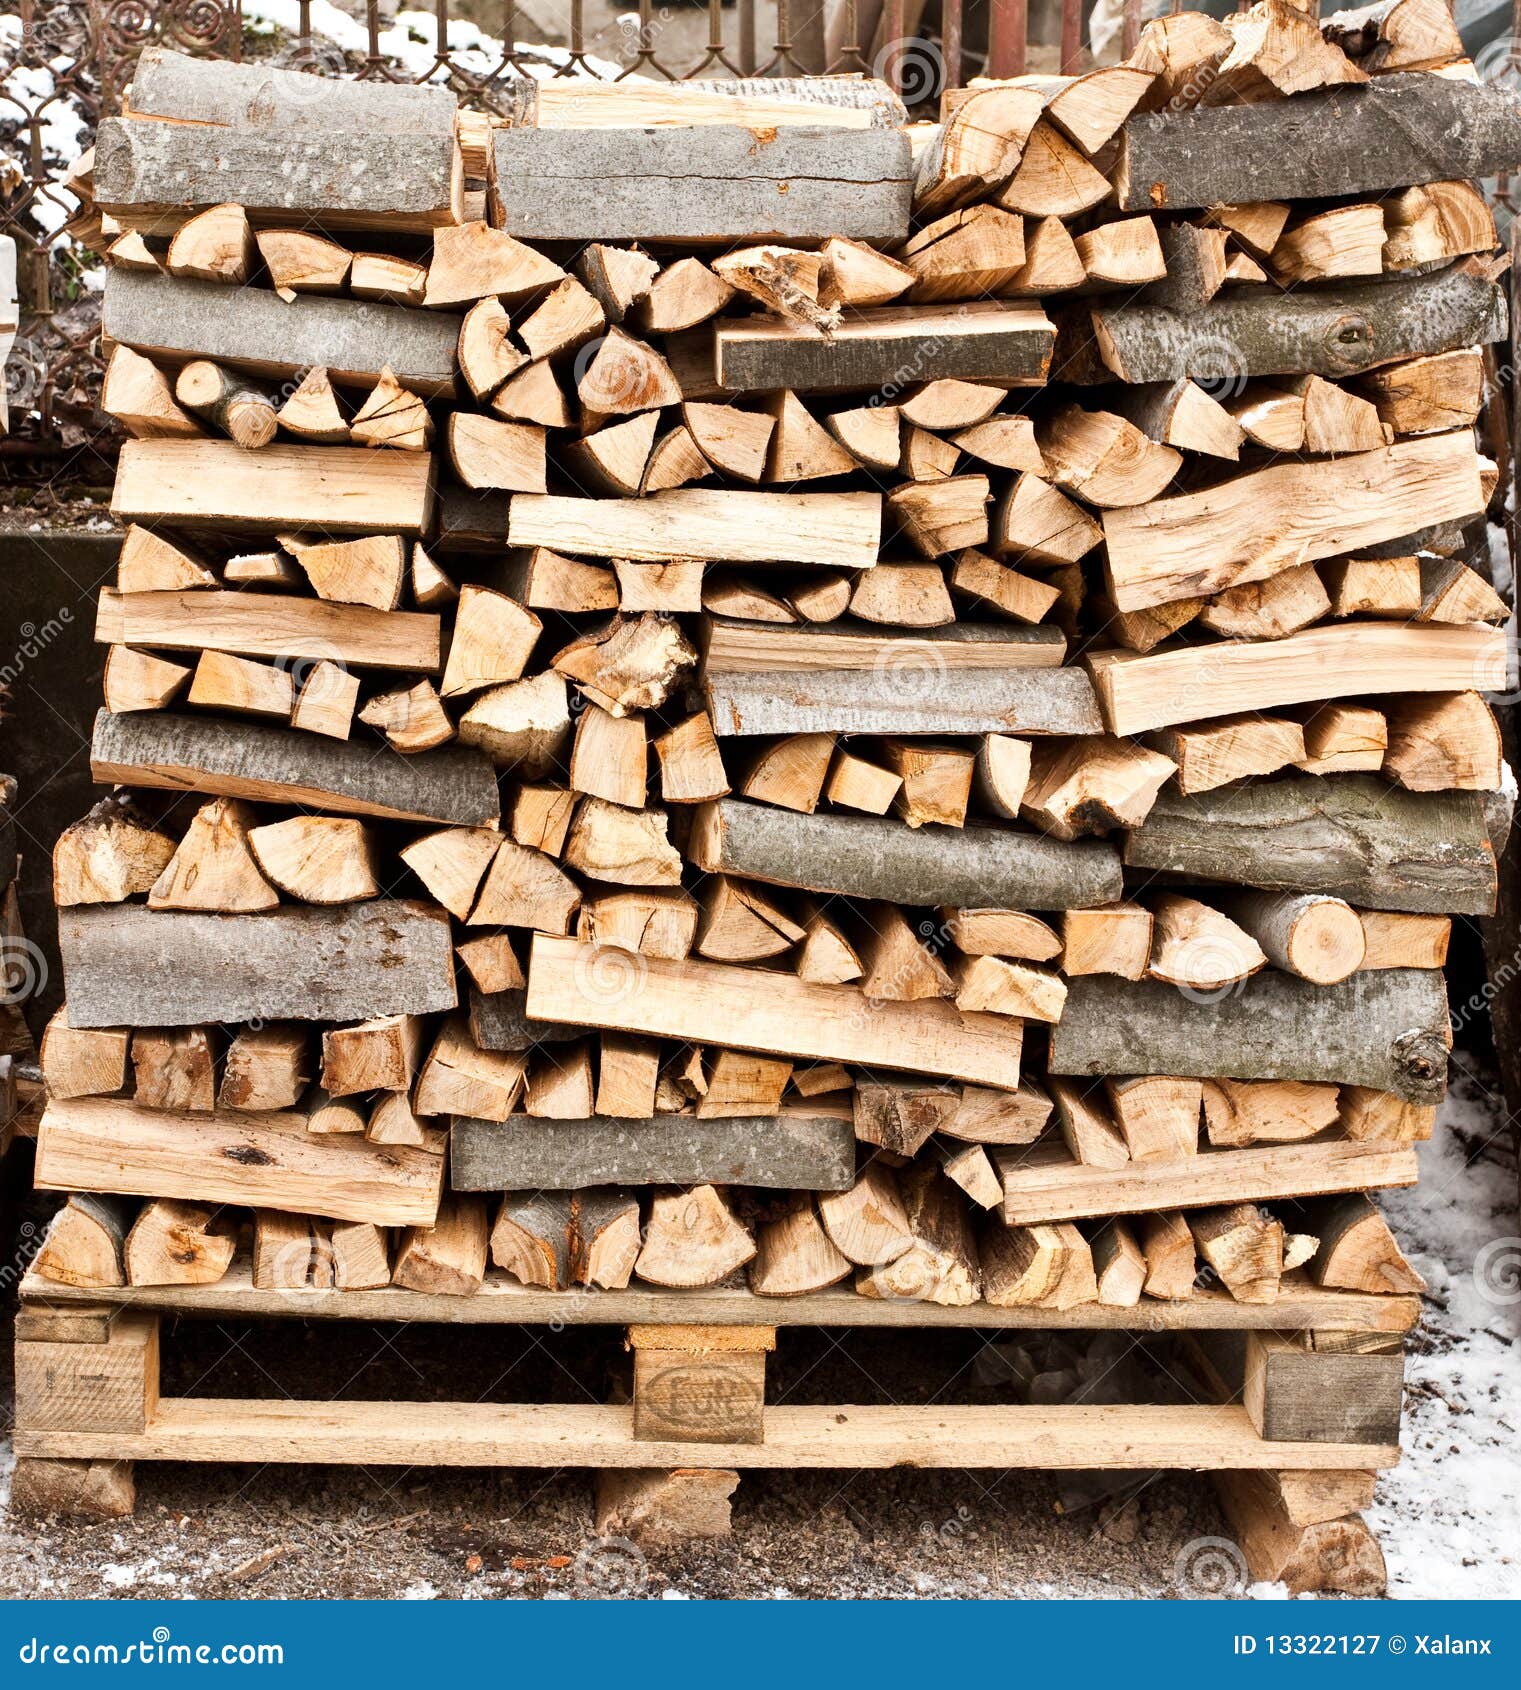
(1301, 1306)
(593, 1435)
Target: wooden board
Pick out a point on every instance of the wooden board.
(217, 484)
(1042, 1185)
(529, 1153)
(271, 625)
(1006, 343)
(838, 530)
(260, 1158)
(129, 966)
(734, 647)
(711, 184)
(173, 319)
(433, 1434)
(1300, 1306)
(751, 1009)
(1388, 133)
(1348, 836)
(1386, 1028)
(251, 760)
(1139, 692)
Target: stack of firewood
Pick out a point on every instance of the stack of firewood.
(705, 682)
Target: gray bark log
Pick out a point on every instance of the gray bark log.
(1347, 835)
(1392, 132)
(499, 1021)
(173, 319)
(128, 966)
(1386, 1028)
(712, 183)
(871, 857)
(147, 171)
(240, 759)
(1333, 331)
(909, 697)
(527, 1153)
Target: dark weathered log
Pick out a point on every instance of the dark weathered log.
(172, 319)
(499, 1021)
(1388, 133)
(249, 760)
(153, 175)
(878, 857)
(526, 1153)
(131, 966)
(1347, 835)
(1386, 1028)
(1326, 331)
(710, 183)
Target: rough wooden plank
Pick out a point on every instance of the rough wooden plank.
(1350, 836)
(1004, 342)
(129, 966)
(710, 184)
(251, 760)
(751, 1009)
(1386, 1029)
(91, 1387)
(1388, 133)
(271, 625)
(1040, 1186)
(838, 530)
(1268, 520)
(1301, 1306)
(217, 484)
(172, 319)
(261, 1158)
(1140, 692)
(150, 172)
(1067, 1436)
(527, 1153)
(1301, 1395)
(974, 867)
(1325, 331)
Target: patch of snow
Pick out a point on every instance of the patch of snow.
(421, 1591)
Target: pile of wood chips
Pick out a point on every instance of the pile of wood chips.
(706, 686)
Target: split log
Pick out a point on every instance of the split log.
(173, 1243)
(706, 184)
(941, 1265)
(531, 1238)
(1450, 742)
(1330, 1553)
(604, 1238)
(1157, 1115)
(129, 966)
(521, 725)
(1168, 1245)
(529, 1153)
(1211, 754)
(1112, 939)
(1404, 941)
(770, 1013)
(1396, 130)
(260, 1160)
(1048, 1267)
(176, 1068)
(84, 1242)
(794, 1255)
(448, 1258)
(1245, 1247)
(79, 1062)
(1357, 1250)
(319, 859)
(266, 1068)
(1347, 836)
(864, 857)
(252, 329)
(1088, 786)
(692, 1238)
(1386, 1029)
(112, 854)
(1087, 1129)
(139, 396)
(246, 760)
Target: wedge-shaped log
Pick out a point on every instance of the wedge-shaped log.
(1273, 519)
(262, 1159)
(1350, 836)
(1140, 692)
(748, 1009)
(712, 183)
(991, 340)
(1386, 1029)
(1045, 1184)
(216, 484)
(174, 319)
(837, 530)
(878, 857)
(1325, 331)
(154, 175)
(271, 625)
(529, 1153)
(131, 966)
(1391, 132)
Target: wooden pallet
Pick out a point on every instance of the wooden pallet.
(1294, 1447)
